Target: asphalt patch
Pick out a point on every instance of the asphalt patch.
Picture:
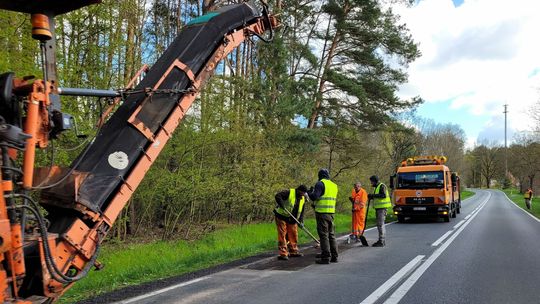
(297, 263)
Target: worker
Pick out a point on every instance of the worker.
(528, 198)
(289, 202)
(381, 201)
(324, 196)
(358, 199)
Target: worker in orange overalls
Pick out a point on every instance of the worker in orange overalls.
(358, 199)
(289, 209)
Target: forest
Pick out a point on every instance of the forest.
(322, 94)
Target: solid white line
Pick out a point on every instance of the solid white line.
(372, 298)
(459, 224)
(534, 217)
(151, 294)
(468, 216)
(441, 239)
(409, 283)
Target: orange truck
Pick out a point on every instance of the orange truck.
(424, 186)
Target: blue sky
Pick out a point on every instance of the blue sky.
(477, 55)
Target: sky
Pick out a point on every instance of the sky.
(477, 55)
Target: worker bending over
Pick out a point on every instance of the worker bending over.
(324, 196)
(358, 199)
(289, 203)
(381, 201)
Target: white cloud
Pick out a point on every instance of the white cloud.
(480, 55)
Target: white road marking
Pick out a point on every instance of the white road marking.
(160, 291)
(373, 297)
(459, 224)
(409, 283)
(442, 238)
(534, 217)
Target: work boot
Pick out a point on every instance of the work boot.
(319, 256)
(283, 258)
(333, 259)
(323, 261)
(296, 255)
(379, 243)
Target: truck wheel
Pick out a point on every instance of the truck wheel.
(454, 212)
(458, 208)
(446, 218)
(400, 218)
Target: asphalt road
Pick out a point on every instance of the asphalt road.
(488, 254)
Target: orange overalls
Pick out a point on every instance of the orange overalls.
(358, 211)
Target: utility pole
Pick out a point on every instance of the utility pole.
(505, 145)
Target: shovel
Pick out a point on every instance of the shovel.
(302, 227)
(362, 238)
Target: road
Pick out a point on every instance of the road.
(488, 254)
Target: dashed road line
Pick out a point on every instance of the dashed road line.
(373, 297)
(402, 290)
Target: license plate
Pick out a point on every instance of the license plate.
(419, 208)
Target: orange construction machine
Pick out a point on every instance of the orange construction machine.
(425, 186)
(52, 219)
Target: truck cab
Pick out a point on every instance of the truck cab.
(425, 187)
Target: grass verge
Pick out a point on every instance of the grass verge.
(132, 264)
(517, 198)
(466, 194)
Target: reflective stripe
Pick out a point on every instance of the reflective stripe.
(325, 198)
(380, 203)
(291, 202)
(327, 202)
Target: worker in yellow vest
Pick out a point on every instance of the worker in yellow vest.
(528, 198)
(380, 199)
(324, 196)
(289, 202)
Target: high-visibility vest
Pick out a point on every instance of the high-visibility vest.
(379, 203)
(528, 194)
(327, 202)
(291, 202)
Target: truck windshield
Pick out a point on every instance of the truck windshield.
(420, 180)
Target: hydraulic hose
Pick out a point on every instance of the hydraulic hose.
(55, 272)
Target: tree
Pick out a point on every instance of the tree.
(355, 75)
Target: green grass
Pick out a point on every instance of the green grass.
(466, 194)
(133, 264)
(518, 198)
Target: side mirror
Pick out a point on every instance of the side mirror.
(392, 177)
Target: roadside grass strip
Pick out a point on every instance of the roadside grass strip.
(518, 200)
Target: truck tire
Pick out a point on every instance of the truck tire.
(458, 207)
(454, 211)
(446, 218)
